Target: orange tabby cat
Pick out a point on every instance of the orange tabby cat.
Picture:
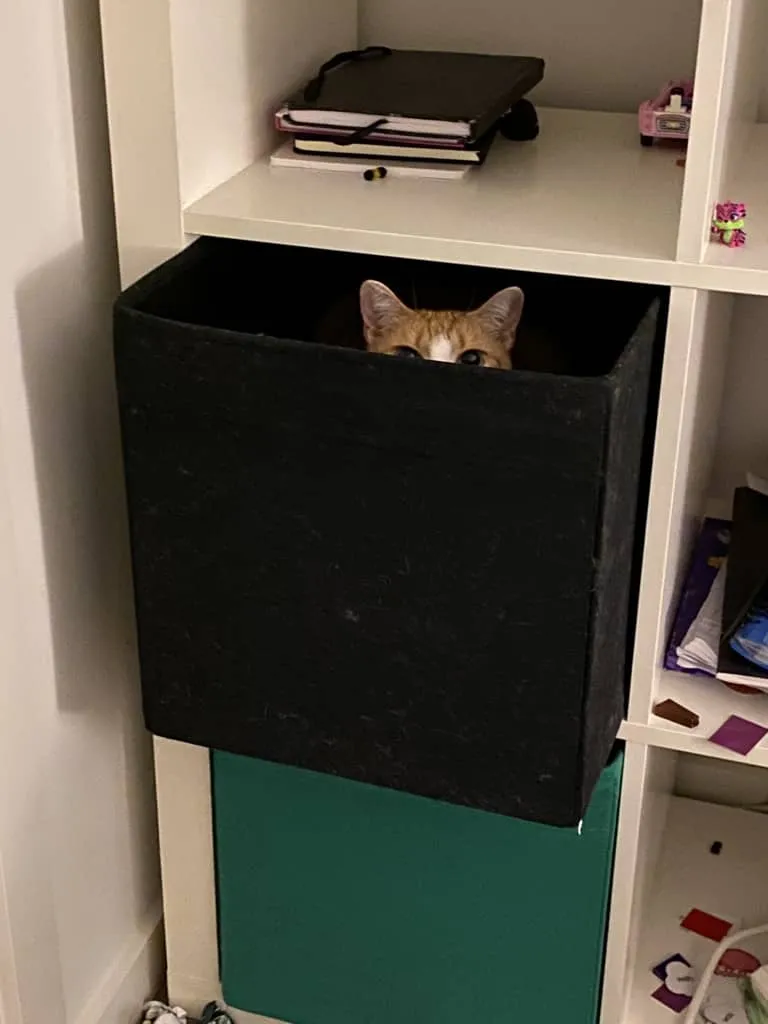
(482, 337)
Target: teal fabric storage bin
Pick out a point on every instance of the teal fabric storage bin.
(342, 903)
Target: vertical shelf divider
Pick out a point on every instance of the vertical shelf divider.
(648, 782)
(138, 68)
(720, 29)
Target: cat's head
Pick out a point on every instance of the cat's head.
(482, 337)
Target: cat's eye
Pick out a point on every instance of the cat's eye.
(406, 352)
(472, 357)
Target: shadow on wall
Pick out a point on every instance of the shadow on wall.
(99, 795)
(64, 316)
(64, 325)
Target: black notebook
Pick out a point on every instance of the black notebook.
(473, 153)
(458, 95)
(745, 580)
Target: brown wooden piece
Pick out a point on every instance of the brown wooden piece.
(674, 712)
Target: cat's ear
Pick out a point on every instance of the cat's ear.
(501, 314)
(380, 307)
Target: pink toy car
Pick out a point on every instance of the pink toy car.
(669, 115)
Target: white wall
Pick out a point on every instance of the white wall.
(601, 54)
(79, 895)
(224, 107)
(650, 42)
(742, 441)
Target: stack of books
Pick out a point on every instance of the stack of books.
(721, 625)
(743, 652)
(695, 639)
(406, 105)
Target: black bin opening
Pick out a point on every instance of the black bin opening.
(576, 326)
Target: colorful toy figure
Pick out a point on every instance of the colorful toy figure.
(728, 224)
(668, 116)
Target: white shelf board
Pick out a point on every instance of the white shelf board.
(747, 183)
(585, 198)
(733, 885)
(713, 702)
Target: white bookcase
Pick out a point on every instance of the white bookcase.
(191, 88)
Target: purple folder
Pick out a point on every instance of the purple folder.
(711, 547)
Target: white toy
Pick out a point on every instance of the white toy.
(712, 1004)
(156, 1012)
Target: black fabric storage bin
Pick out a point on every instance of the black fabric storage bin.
(412, 574)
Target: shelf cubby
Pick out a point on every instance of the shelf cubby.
(584, 199)
(707, 442)
(674, 807)
(687, 875)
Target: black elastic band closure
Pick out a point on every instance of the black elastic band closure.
(362, 133)
(313, 88)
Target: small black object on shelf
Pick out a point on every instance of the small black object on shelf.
(521, 124)
(213, 1013)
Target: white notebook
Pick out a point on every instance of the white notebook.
(702, 641)
(286, 158)
(342, 119)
